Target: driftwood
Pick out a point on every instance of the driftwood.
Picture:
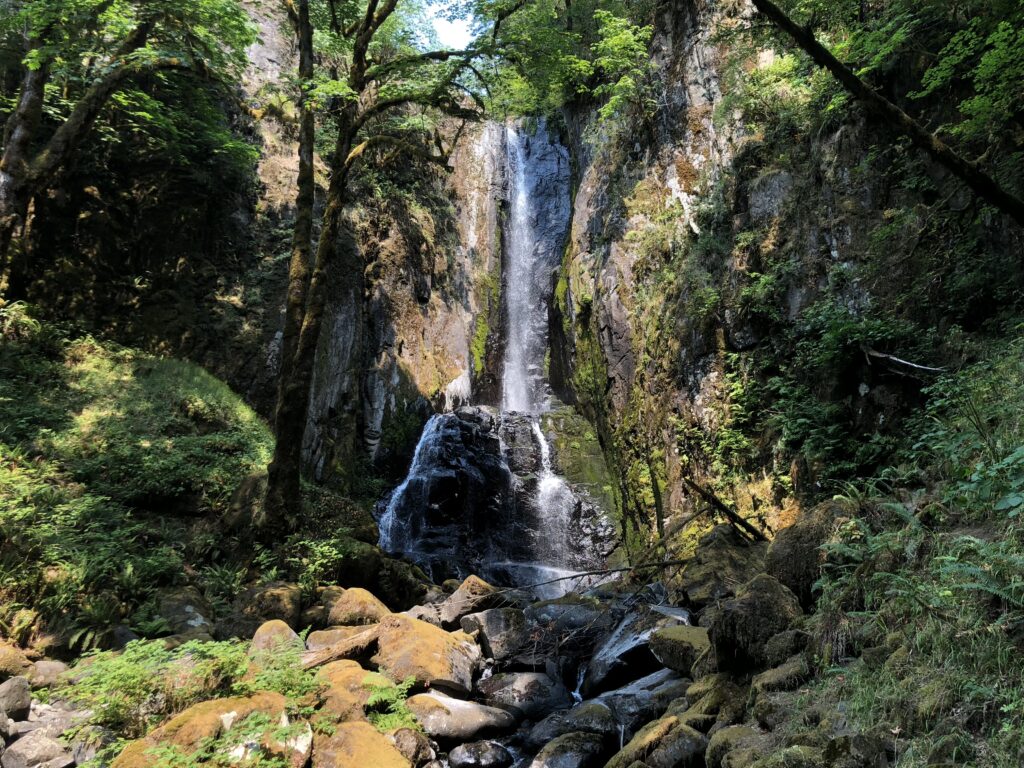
(352, 646)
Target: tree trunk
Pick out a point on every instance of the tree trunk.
(983, 185)
(283, 498)
(293, 402)
(15, 186)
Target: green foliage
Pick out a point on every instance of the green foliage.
(386, 707)
(94, 440)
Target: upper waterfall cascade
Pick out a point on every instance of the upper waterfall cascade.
(482, 493)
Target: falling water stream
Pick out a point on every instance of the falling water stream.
(538, 208)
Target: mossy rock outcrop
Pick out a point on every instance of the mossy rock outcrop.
(794, 557)
(792, 757)
(740, 628)
(722, 560)
(12, 661)
(748, 744)
(356, 606)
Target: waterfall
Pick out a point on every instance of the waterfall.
(538, 200)
(474, 501)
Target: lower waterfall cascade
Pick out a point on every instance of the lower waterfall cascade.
(483, 494)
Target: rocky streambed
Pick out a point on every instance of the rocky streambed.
(622, 675)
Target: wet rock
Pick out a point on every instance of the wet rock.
(414, 746)
(572, 750)
(407, 647)
(46, 673)
(718, 698)
(571, 614)
(794, 557)
(740, 628)
(356, 607)
(481, 754)
(643, 700)
(722, 560)
(503, 632)
(12, 661)
(587, 717)
(37, 750)
(357, 744)
(743, 739)
(679, 647)
(272, 636)
(346, 688)
(446, 718)
(528, 694)
(15, 698)
(664, 743)
(325, 638)
(625, 654)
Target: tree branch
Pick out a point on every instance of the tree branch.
(376, 141)
(983, 185)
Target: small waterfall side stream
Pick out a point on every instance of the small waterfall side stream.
(482, 493)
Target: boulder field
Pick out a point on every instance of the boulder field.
(620, 676)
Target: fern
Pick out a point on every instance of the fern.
(386, 707)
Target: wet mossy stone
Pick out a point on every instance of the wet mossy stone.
(734, 738)
(792, 757)
(577, 749)
(664, 743)
(679, 647)
(785, 677)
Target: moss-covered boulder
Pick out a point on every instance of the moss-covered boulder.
(527, 694)
(408, 647)
(718, 697)
(346, 688)
(735, 738)
(741, 627)
(200, 724)
(577, 749)
(785, 677)
(357, 744)
(664, 743)
(356, 606)
(12, 661)
(794, 557)
(792, 757)
(325, 638)
(679, 647)
(723, 559)
(785, 645)
(272, 636)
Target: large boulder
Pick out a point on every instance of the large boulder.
(408, 647)
(794, 556)
(679, 647)
(201, 723)
(446, 718)
(715, 701)
(572, 750)
(272, 636)
(258, 604)
(480, 754)
(723, 559)
(46, 673)
(732, 739)
(794, 757)
(625, 653)
(356, 606)
(357, 744)
(12, 661)
(586, 717)
(37, 750)
(664, 743)
(740, 628)
(347, 688)
(15, 698)
(186, 611)
(530, 695)
(502, 632)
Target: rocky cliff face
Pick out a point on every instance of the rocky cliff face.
(719, 305)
